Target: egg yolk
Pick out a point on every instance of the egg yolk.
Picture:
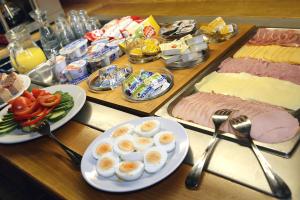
(148, 126)
(106, 163)
(166, 138)
(153, 157)
(126, 145)
(103, 148)
(120, 132)
(144, 140)
(128, 166)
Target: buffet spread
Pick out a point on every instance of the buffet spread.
(138, 65)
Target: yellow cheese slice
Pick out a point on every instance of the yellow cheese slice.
(269, 90)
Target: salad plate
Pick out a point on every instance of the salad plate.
(17, 135)
(115, 184)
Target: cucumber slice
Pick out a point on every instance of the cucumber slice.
(55, 116)
(7, 125)
(8, 129)
(65, 106)
(7, 116)
(66, 98)
(3, 123)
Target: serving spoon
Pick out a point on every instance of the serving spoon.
(242, 127)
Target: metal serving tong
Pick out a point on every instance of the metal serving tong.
(242, 127)
(192, 180)
(44, 129)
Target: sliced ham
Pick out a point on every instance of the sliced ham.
(283, 71)
(264, 36)
(270, 124)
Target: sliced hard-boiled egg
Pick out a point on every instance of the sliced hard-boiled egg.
(154, 159)
(102, 147)
(148, 128)
(124, 147)
(165, 140)
(130, 170)
(143, 143)
(122, 131)
(133, 156)
(106, 164)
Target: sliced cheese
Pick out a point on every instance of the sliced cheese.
(273, 53)
(269, 90)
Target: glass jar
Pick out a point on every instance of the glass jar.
(25, 55)
(76, 24)
(92, 24)
(49, 40)
(64, 31)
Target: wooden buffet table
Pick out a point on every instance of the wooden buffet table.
(47, 164)
(115, 99)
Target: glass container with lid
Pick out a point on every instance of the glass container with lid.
(25, 55)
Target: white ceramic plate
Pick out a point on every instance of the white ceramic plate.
(18, 136)
(26, 83)
(113, 184)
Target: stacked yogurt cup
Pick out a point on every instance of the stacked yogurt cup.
(185, 52)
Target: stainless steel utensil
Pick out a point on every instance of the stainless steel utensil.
(242, 126)
(192, 181)
(44, 129)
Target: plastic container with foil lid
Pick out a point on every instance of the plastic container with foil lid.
(109, 77)
(76, 70)
(74, 50)
(59, 67)
(100, 56)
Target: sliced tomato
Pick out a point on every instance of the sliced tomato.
(19, 103)
(50, 100)
(38, 92)
(37, 112)
(45, 112)
(28, 95)
(30, 108)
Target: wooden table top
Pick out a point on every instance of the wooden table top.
(115, 99)
(47, 164)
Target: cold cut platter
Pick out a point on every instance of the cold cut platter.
(258, 80)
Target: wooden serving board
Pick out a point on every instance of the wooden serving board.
(115, 99)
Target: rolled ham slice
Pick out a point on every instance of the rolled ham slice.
(270, 124)
(263, 36)
(282, 71)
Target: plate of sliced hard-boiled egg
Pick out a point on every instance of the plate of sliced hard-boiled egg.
(135, 154)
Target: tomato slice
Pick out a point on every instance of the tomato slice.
(28, 95)
(50, 100)
(29, 116)
(20, 103)
(45, 112)
(38, 92)
(30, 108)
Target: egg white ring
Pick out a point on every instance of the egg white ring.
(148, 133)
(116, 147)
(110, 172)
(167, 147)
(129, 132)
(132, 175)
(153, 168)
(142, 147)
(106, 140)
